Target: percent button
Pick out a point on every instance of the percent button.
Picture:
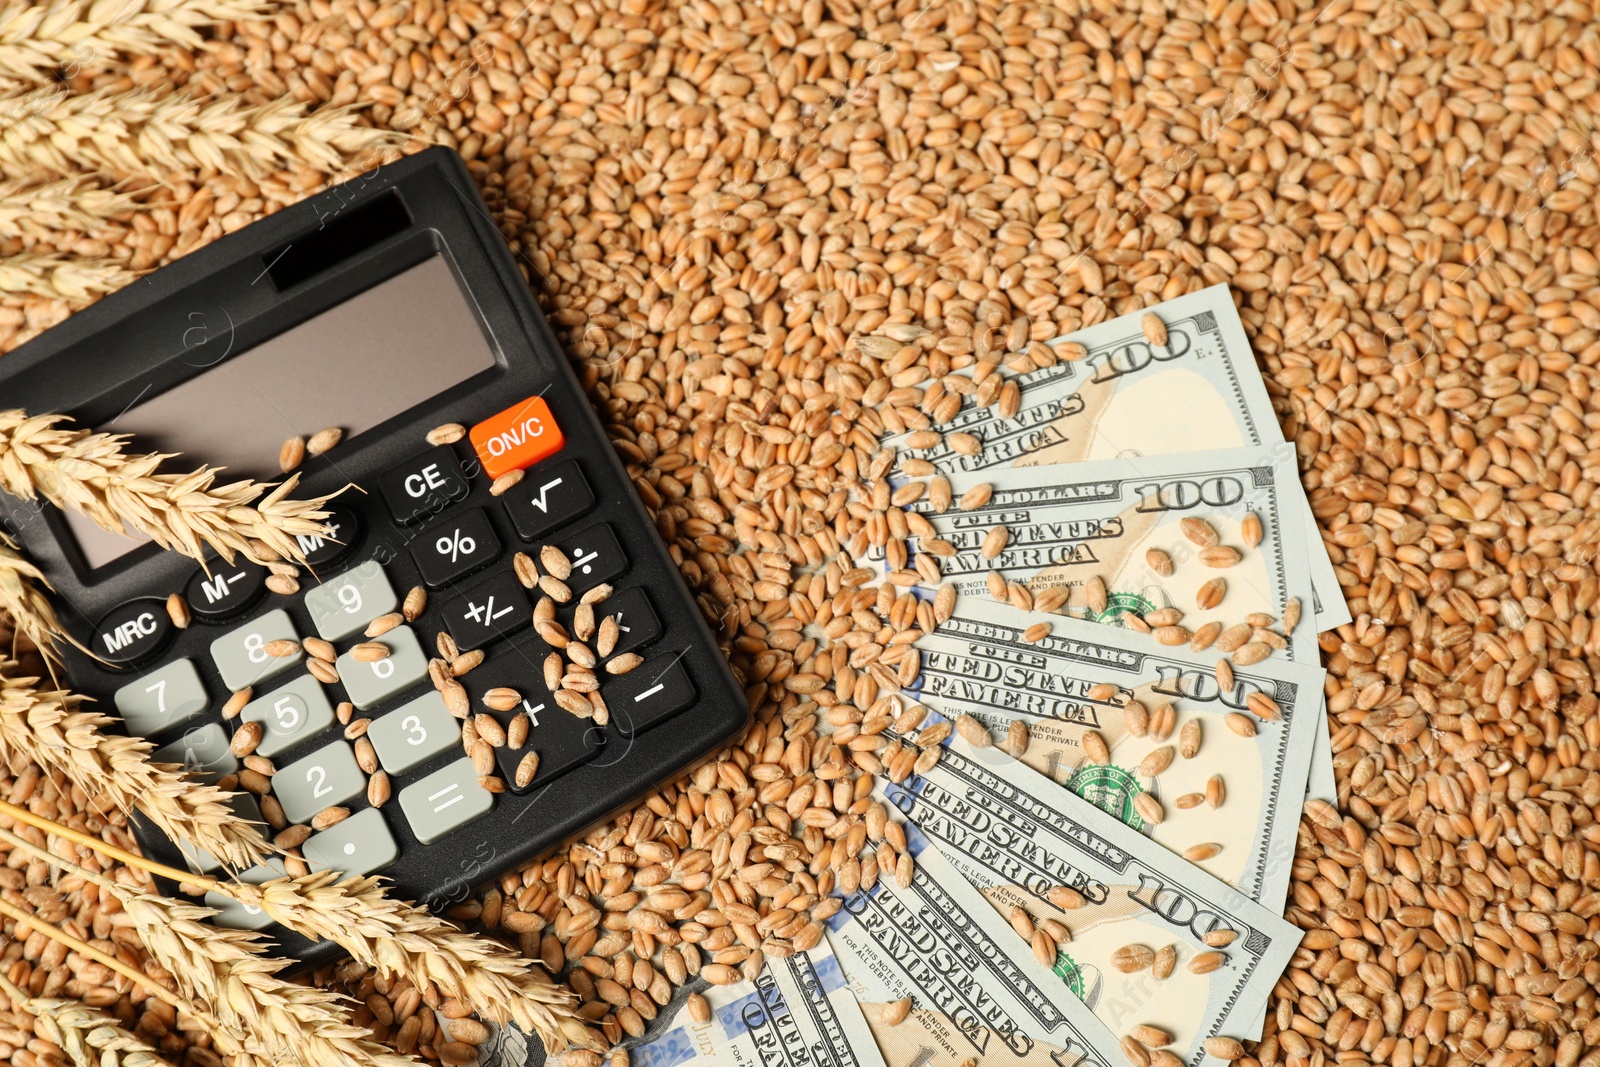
(455, 546)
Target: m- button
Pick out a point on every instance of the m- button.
(423, 485)
(519, 436)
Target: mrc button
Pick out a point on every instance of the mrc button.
(423, 485)
(132, 633)
(521, 435)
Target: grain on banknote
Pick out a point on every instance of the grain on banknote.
(1210, 593)
(1149, 808)
(1155, 331)
(1219, 556)
(1163, 720)
(1198, 531)
(895, 1011)
(1130, 959)
(1189, 739)
(1164, 962)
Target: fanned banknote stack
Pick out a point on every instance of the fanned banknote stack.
(1099, 769)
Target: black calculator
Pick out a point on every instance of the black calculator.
(388, 308)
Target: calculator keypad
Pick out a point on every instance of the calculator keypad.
(494, 608)
(444, 800)
(370, 683)
(595, 557)
(229, 590)
(202, 751)
(455, 547)
(290, 714)
(414, 732)
(327, 777)
(547, 499)
(169, 695)
(424, 485)
(359, 845)
(241, 656)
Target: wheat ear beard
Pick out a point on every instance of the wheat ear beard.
(92, 473)
(404, 940)
(22, 596)
(88, 1036)
(36, 40)
(48, 728)
(253, 1015)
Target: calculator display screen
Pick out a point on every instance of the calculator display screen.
(353, 366)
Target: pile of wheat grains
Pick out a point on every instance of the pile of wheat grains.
(717, 203)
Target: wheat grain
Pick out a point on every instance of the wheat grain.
(36, 39)
(253, 1015)
(146, 132)
(49, 729)
(91, 473)
(67, 277)
(89, 1037)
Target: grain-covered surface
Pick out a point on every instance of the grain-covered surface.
(718, 204)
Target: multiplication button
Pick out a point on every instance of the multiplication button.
(547, 499)
(633, 617)
(492, 609)
(455, 547)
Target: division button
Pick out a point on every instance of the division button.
(595, 556)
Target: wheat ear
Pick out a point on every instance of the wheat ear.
(88, 1036)
(146, 132)
(38, 38)
(66, 277)
(397, 938)
(45, 210)
(253, 1014)
(22, 597)
(50, 729)
(92, 473)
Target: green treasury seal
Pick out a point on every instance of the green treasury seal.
(1070, 973)
(1120, 604)
(1110, 788)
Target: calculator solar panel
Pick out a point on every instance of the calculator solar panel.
(386, 307)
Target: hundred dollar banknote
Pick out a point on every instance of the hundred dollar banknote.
(1016, 835)
(1068, 523)
(797, 1013)
(976, 989)
(977, 663)
(1200, 391)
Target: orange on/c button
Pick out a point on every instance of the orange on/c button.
(520, 435)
